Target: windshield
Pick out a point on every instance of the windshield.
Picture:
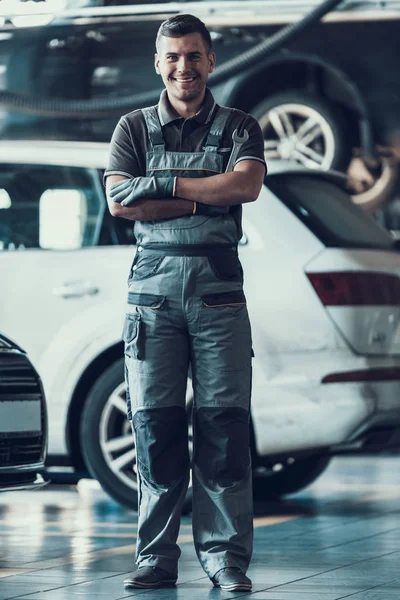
(328, 212)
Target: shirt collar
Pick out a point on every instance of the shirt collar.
(167, 114)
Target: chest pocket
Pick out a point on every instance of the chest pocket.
(183, 164)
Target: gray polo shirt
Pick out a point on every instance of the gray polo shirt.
(130, 141)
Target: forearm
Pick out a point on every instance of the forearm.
(220, 190)
(152, 210)
(147, 209)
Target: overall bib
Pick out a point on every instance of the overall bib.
(186, 308)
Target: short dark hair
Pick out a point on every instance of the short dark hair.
(182, 25)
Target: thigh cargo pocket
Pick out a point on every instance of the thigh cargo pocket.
(144, 324)
(224, 331)
(132, 335)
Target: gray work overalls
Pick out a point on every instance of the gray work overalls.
(186, 306)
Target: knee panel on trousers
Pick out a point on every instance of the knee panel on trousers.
(222, 452)
(162, 444)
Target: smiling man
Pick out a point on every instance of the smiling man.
(171, 170)
(184, 64)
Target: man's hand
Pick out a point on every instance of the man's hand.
(146, 209)
(128, 191)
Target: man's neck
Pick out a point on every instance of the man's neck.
(187, 109)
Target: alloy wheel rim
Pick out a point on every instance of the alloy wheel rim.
(298, 132)
(117, 442)
(380, 188)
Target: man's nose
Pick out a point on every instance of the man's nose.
(183, 64)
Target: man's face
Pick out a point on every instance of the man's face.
(184, 65)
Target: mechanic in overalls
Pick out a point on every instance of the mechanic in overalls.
(186, 308)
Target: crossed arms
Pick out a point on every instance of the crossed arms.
(239, 186)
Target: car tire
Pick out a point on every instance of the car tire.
(282, 115)
(294, 475)
(373, 186)
(106, 438)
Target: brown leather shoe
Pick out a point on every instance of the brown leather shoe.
(231, 579)
(150, 577)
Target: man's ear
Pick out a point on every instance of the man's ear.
(211, 62)
(156, 63)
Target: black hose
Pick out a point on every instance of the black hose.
(261, 51)
(103, 108)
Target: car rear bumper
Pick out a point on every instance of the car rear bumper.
(351, 417)
(378, 433)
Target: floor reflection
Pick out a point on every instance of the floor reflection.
(340, 537)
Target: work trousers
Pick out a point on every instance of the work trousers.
(188, 315)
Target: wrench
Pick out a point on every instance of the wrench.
(237, 144)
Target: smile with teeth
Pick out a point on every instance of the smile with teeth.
(184, 79)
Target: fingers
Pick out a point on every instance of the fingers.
(130, 200)
(123, 192)
(120, 186)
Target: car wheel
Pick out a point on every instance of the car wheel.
(302, 128)
(372, 186)
(106, 438)
(288, 476)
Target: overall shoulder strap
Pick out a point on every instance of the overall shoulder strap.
(154, 128)
(217, 127)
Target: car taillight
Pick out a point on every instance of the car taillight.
(356, 288)
(377, 374)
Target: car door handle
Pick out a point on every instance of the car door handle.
(76, 289)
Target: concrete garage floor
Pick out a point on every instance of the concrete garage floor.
(340, 538)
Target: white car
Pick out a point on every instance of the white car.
(322, 281)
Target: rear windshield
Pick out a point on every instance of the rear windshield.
(328, 212)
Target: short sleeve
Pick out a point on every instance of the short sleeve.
(253, 149)
(122, 158)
